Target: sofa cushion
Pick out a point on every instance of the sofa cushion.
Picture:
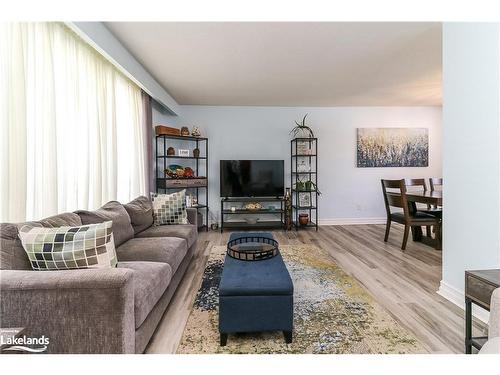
(169, 250)
(12, 254)
(63, 248)
(187, 231)
(114, 211)
(151, 279)
(140, 211)
(67, 219)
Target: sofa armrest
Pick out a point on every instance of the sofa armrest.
(192, 216)
(80, 311)
(494, 323)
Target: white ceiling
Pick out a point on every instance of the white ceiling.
(290, 64)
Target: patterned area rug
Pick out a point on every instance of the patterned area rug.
(332, 313)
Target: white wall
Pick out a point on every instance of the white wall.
(471, 129)
(350, 194)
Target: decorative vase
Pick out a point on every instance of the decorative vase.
(171, 151)
(185, 131)
(303, 219)
(196, 152)
(288, 210)
(304, 133)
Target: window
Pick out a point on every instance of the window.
(71, 131)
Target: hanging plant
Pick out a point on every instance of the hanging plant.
(302, 128)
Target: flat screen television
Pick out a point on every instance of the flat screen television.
(252, 178)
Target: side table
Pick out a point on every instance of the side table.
(479, 285)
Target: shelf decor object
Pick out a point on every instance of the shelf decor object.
(166, 130)
(253, 206)
(172, 176)
(288, 209)
(303, 219)
(304, 182)
(196, 132)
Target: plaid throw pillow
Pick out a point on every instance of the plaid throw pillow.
(63, 248)
(170, 208)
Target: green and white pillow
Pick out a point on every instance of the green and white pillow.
(170, 208)
(63, 248)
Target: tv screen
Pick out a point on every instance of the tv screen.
(252, 178)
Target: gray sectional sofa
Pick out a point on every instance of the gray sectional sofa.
(98, 310)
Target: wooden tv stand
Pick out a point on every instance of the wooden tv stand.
(226, 213)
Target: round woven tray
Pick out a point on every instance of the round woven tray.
(252, 248)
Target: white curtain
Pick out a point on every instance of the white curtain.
(71, 125)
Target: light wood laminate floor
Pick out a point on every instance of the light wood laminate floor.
(405, 283)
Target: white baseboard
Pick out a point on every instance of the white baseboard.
(353, 221)
(457, 297)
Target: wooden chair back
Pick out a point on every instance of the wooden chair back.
(395, 198)
(435, 182)
(410, 182)
(419, 183)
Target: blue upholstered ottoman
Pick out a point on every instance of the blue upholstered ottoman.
(255, 296)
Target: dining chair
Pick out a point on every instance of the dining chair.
(420, 183)
(416, 182)
(435, 181)
(409, 218)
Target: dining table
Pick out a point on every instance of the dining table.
(433, 198)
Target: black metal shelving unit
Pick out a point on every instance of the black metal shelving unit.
(312, 175)
(200, 166)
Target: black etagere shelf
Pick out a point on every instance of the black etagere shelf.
(304, 155)
(198, 163)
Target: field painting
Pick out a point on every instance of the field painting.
(392, 147)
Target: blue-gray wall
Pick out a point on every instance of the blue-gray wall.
(350, 194)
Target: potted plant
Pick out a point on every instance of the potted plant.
(311, 186)
(300, 186)
(306, 186)
(301, 130)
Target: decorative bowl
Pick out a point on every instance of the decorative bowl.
(252, 220)
(254, 206)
